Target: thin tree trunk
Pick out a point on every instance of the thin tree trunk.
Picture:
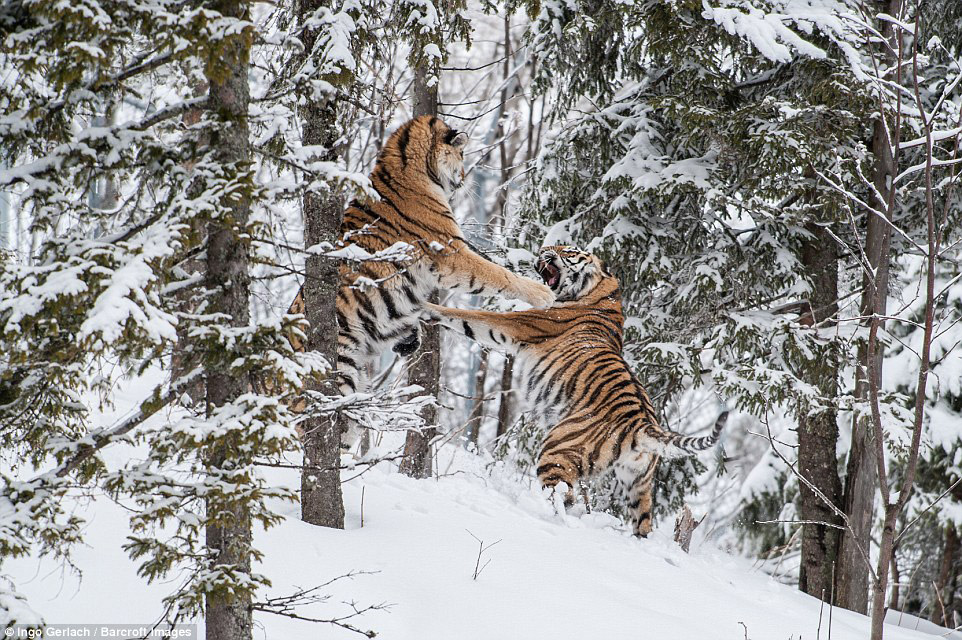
(818, 433)
(896, 579)
(426, 367)
(894, 508)
(507, 373)
(322, 503)
(861, 479)
(504, 409)
(228, 278)
(477, 409)
(946, 573)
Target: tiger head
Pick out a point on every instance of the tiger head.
(428, 146)
(570, 272)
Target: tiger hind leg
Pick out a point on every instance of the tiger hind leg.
(637, 479)
(557, 469)
(351, 377)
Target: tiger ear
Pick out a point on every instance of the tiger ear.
(459, 141)
(604, 267)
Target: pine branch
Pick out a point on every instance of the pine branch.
(140, 66)
(147, 409)
(172, 111)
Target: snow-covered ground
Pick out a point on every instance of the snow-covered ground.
(548, 576)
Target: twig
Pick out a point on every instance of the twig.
(938, 595)
(922, 512)
(821, 606)
(746, 629)
(831, 603)
(478, 567)
(819, 522)
(841, 514)
(286, 606)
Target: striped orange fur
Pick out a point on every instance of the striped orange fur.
(578, 384)
(379, 303)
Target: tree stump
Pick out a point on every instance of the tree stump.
(685, 525)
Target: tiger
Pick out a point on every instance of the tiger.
(379, 302)
(578, 384)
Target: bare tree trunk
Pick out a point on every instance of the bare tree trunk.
(501, 205)
(228, 279)
(818, 433)
(477, 409)
(896, 579)
(861, 479)
(504, 409)
(946, 572)
(426, 367)
(322, 503)
(933, 244)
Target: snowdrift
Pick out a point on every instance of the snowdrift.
(548, 576)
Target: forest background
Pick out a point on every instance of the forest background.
(773, 183)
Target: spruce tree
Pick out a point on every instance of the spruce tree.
(321, 501)
(428, 27)
(694, 173)
(112, 292)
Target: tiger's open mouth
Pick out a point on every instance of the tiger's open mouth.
(549, 273)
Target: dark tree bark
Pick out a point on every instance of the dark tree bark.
(894, 597)
(426, 362)
(321, 500)
(228, 280)
(504, 409)
(861, 481)
(947, 571)
(477, 408)
(818, 433)
(507, 373)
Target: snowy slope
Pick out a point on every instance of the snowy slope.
(550, 576)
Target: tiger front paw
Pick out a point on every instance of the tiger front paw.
(534, 293)
(408, 344)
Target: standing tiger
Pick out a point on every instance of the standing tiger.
(379, 303)
(579, 385)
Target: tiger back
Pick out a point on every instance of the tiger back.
(578, 384)
(379, 302)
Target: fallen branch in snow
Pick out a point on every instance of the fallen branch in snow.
(287, 605)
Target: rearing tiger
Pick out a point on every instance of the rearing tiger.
(379, 303)
(579, 385)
